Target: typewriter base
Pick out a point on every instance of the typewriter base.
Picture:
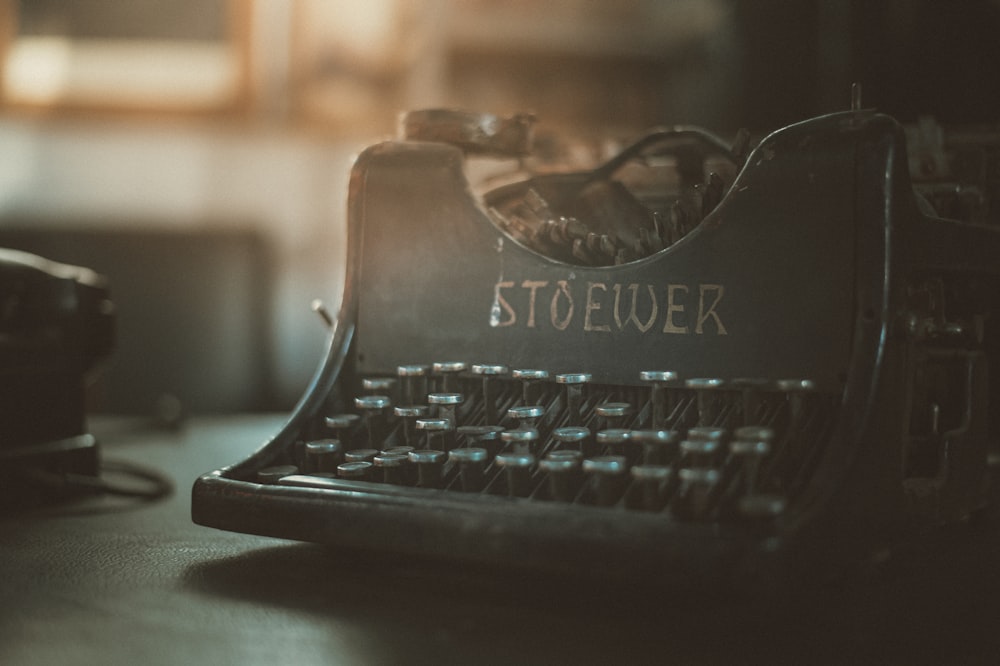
(522, 534)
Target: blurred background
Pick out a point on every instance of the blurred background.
(197, 151)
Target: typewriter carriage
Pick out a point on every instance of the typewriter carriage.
(861, 271)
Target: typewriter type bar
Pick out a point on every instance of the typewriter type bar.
(687, 362)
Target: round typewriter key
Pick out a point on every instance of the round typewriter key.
(698, 485)
(357, 471)
(323, 455)
(486, 437)
(392, 466)
(659, 447)
(660, 380)
(705, 433)
(360, 455)
(377, 385)
(796, 389)
(488, 372)
(408, 414)
(414, 383)
(608, 476)
(446, 404)
(574, 383)
(448, 372)
(710, 400)
(575, 438)
(526, 415)
(471, 465)
(430, 464)
(517, 469)
(399, 450)
(341, 424)
(700, 452)
(563, 476)
(529, 379)
(373, 407)
(564, 455)
(614, 440)
(652, 481)
(570, 434)
(435, 430)
(524, 439)
(275, 473)
(614, 413)
(752, 444)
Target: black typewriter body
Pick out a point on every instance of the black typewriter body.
(782, 365)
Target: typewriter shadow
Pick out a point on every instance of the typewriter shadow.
(472, 611)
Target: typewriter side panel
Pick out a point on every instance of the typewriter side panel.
(763, 288)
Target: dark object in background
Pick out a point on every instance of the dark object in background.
(56, 326)
(688, 364)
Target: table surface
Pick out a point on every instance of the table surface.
(115, 582)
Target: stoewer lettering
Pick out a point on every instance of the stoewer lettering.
(677, 308)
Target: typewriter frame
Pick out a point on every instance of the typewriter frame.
(855, 506)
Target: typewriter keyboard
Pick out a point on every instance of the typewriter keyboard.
(695, 449)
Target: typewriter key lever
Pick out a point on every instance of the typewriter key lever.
(691, 359)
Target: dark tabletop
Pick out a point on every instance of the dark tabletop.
(125, 582)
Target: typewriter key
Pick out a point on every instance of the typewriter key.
(607, 474)
(471, 467)
(392, 466)
(360, 455)
(575, 438)
(377, 385)
(574, 383)
(564, 455)
(751, 445)
(529, 380)
(448, 373)
(652, 482)
(525, 440)
(517, 469)
(341, 424)
(614, 440)
(488, 372)
(700, 452)
(323, 455)
(487, 437)
(563, 475)
(373, 406)
(613, 413)
(357, 471)
(430, 465)
(414, 383)
(435, 429)
(275, 473)
(797, 389)
(526, 415)
(710, 402)
(408, 414)
(698, 492)
(446, 404)
(659, 447)
(661, 380)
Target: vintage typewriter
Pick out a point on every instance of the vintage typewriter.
(694, 361)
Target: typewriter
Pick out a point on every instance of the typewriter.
(699, 360)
